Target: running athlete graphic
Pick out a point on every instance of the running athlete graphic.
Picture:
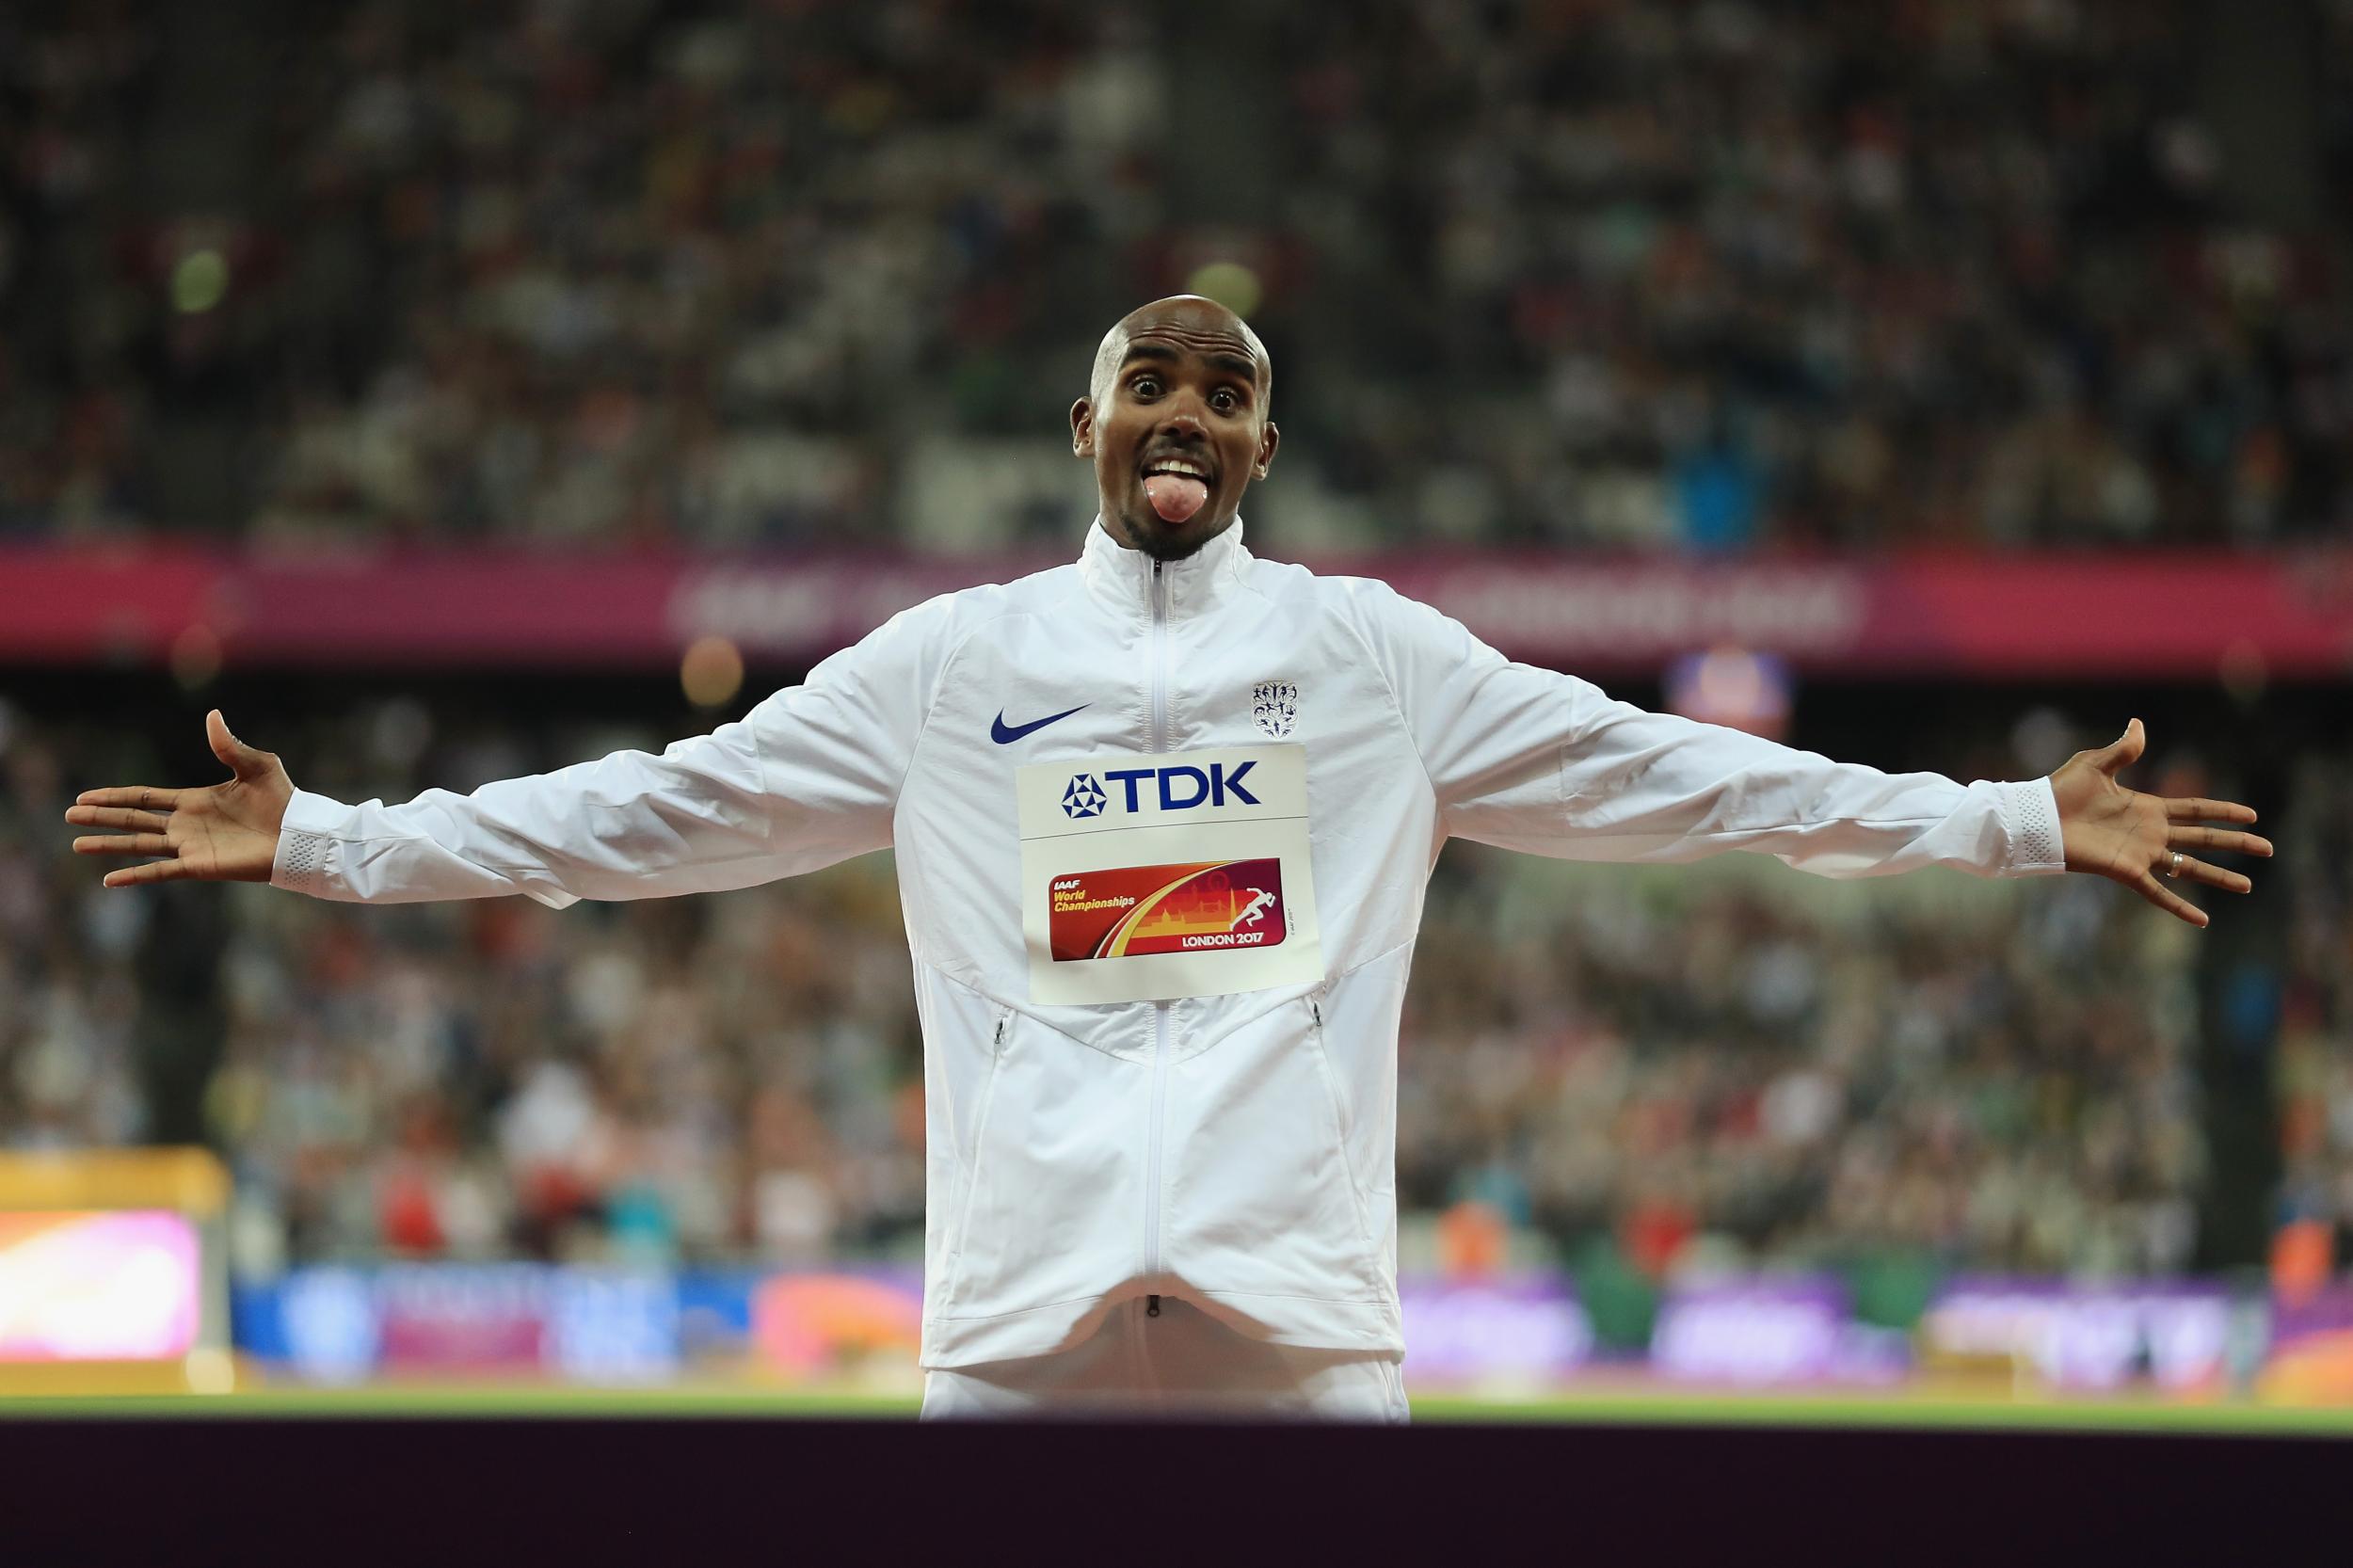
(1255, 911)
(1161, 1180)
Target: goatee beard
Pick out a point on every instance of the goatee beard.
(1151, 539)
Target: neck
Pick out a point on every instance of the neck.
(1162, 549)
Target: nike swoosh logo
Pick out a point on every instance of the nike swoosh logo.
(1005, 734)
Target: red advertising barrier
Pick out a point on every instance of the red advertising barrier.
(2179, 616)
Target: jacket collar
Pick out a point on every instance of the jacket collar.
(1121, 577)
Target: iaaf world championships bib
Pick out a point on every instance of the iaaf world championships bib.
(1185, 875)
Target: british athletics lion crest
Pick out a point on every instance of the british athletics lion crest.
(1275, 705)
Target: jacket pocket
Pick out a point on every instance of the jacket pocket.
(1337, 1111)
(1261, 1200)
(968, 1162)
(1053, 1185)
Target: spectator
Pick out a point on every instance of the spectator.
(1723, 275)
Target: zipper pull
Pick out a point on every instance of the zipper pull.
(1151, 1306)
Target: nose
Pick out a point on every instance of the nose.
(1181, 416)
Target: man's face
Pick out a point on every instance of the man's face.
(1189, 390)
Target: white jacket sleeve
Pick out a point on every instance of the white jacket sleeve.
(1532, 760)
(811, 776)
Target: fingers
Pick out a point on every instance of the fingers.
(140, 796)
(2208, 810)
(2147, 887)
(2213, 876)
(154, 870)
(2113, 759)
(2216, 838)
(148, 838)
(102, 816)
(125, 843)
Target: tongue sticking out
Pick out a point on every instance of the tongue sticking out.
(1175, 496)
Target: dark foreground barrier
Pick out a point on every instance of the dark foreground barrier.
(252, 1490)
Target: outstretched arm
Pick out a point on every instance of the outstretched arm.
(1532, 760)
(697, 818)
(810, 777)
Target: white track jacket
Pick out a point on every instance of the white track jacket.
(1162, 836)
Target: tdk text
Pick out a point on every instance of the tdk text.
(1182, 787)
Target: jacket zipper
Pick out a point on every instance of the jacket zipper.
(1152, 1155)
(1160, 1009)
(1159, 658)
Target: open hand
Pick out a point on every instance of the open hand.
(2144, 841)
(227, 833)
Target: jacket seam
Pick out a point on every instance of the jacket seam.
(1020, 1011)
(1289, 1296)
(370, 838)
(1398, 705)
(1770, 827)
(973, 1167)
(939, 691)
(1367, 963)
(535, 865)
(1321, 986)
(1012, 1008)
(767, 794)
(429, 839)
(1357, 1190)
(1241, 576)
(1020, 1311)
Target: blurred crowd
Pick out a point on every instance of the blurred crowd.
(1736, 1068)
(1729, 273)
(725, 1077)
(1702, 274)
(2314, 1013)
(1718, 1066)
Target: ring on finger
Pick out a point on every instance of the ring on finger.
(2173, 864)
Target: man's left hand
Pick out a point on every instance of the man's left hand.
(2144, 841)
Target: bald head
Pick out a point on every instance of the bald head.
(1185, 312)
(1177, 398)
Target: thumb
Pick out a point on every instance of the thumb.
(2113, 759)
(238, 756)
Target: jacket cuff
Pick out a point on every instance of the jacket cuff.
(2030, 820)
(306, 844)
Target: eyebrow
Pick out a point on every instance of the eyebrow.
(1232, 364)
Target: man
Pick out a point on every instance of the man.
(1163, 822)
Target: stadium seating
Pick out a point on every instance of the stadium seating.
(1714, 278)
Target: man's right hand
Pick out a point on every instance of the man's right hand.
(227, 833)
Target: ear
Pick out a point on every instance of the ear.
(1082, 428)
(1269, 439)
